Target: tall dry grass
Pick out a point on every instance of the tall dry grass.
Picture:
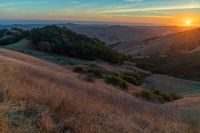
(84, 107)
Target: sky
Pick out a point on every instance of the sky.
(158, 12)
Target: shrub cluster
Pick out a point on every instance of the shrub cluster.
(157, 96)
(122, 79)
(117, 81)
(11, 36)
(135, 78)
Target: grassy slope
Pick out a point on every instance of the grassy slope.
(85, 107)
(170, 84)
(189, 108)
(161, 82)
(184, 66)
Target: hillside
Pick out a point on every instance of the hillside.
(117, 33)
(184, 66)
(110, 34)
(58, 100)
(62, 41)
(171, 84)
(183, 42)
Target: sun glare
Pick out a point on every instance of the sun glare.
(188, 22)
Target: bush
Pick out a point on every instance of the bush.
(118, 81)
(98, 71)
(1, 96)
(80, 69)
(135, 78)
(90, 72)
(157, 96)
(89, 77)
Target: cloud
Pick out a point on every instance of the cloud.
(183, 7)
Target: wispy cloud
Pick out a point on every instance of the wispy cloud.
(183, 7)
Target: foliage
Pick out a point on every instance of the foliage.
(11, 36)
(135, 78)
(121, 79)
(118, 81)
(157, 96)
(80, 69)
(62, 41)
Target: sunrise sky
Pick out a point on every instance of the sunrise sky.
(158, 12)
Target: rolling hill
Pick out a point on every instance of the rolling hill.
(110, 34)
(185, 66)
(116, 33)
(62, 41)
(61, 102)
(182, 42)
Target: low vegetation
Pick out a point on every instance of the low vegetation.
(117, 81)
(157, 96)
(121, 79)
(135, 78)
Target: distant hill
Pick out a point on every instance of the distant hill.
(182, 42)
(110, 34)
(117, 33)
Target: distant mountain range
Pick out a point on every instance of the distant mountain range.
(110, 34)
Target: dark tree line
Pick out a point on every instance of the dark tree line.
(11, 36)
(62, 41)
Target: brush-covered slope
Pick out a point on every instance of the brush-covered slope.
(10, 36)
(183, 42)
(62, 41)
(58, 100)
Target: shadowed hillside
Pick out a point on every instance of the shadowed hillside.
(184, 66)
(183, 42)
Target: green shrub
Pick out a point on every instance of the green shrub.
(135, 78)
(157, 96)
(1, 96)
(80, 69)
(89, 77)
(97, 71)
(117, 81)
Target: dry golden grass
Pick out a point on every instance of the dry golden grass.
(84, 107)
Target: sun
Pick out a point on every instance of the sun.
(188, 22)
